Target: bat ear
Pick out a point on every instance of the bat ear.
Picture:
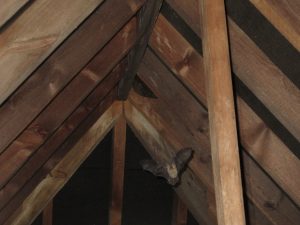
(183, 157)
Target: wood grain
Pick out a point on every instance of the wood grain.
(258, 139)
(118, 167)
(50, 119)
(62, 66)
(63, 171)
(146, 21)
(195, 137)
(284, 15)
(9, 8)
(48, 214)
(179, 211)
(34, 35)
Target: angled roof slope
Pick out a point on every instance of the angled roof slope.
(59, 81)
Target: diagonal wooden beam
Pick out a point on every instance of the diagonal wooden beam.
(180, 211)
(222, 121)
(146, 20)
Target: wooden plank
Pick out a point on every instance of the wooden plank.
(159, 138)
(118, 166)
(261, 76)
(34, 35)
(9, 8)
(101, 95)
(284, 15)
(179, 211)
(62, 66)
(159, 147)
(50, 119)
(265, 147)
(146, 21)
(221, 111)
(191, 135)
(63, 171)
(48, 214)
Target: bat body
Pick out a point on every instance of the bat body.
(172, 170)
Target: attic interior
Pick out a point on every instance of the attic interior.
(74, 70)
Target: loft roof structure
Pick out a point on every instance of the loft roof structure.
(72, 70)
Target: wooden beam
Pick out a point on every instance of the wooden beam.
(146, 21)
(63, 171)
(62, 66)
(221, 111)
(67, 101)
(9, 8)
(162, 135)
(163, 113)
(34, 35)
(256, 137)
(118, 166)
(284, 15)
(48, 214)
(179, 212)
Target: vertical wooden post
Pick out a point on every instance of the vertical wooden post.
(180, 211)
(48, 214)
(118, 165)
(223, 133)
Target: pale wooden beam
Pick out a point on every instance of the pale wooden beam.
(180, 211)
(146, 21)
(223, 133)
(118, 165)
(48, 214)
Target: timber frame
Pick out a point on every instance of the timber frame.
(62, 85)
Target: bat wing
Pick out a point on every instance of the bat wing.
(182, 158)
(152, 167)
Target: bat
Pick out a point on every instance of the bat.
(170, 171)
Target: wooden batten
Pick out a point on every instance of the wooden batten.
(63, 171)
(9, 8)
(118, 166)
(41, 128)
(179, 211)
(283, 16)
(63, 65)
(163, 112)
(34, 35)
(146, 21)
(48, 214)
(269, 152)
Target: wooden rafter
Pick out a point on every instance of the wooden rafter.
(118, 166)
(180, 211)
(221, 111)
(146, 21)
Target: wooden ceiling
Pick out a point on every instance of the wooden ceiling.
(61, 63)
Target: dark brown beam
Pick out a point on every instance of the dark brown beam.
(118, 166)
(180, 211)
(48, 214)
(146, 20)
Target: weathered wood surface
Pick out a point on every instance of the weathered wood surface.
(118, 167)
(261, 76)
(41, 155)
(259, 140)
(60, 151)
(62, 172)
(158, 79)
(65, 103)
(221, 112)
(9, 8)
(34, 35)
(48, 214)
(284, 15)
(146, 21)
(160, 140)
(179, 211)
(62, 66)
